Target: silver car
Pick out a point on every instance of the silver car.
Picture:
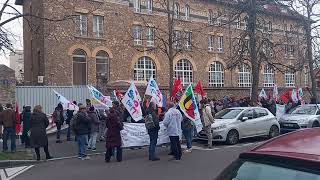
(233, 124)
(304, 116)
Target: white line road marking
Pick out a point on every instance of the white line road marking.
(223, 147)
(10, 173)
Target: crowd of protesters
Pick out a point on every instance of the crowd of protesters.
(89, 125)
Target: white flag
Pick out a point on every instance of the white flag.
(294, 95)
(132, 103)
(263, 94)
(275, 92)
(99, 101)
(66, 104)
(154, 91)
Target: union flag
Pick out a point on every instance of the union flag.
(188, 104)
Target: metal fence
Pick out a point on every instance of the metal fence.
(44, 95)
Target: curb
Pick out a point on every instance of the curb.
(14, 163)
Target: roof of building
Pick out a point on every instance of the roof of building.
(4, 68)
(302, 145)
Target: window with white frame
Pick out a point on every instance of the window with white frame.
(137, 6)
(289, 78)
(291, 50)
(184, 71)
(137, 36)
(176, 10)
(150, 36)
(144, 69)
(187, 12)
(220, 47)
(177, 39)
(245, 23)
(269, 26)
(82, 25)
(238, 26)
(98, 23)
(219, 19)
(306, 77)
(188, 40)
(102, 65)
(150, 6)
(216, 75)
(210, 18)
(79, 67)
(268, 76)
(244, 76)
(211, 43)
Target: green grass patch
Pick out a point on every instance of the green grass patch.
(19, 155)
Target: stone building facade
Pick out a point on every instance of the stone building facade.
(7, 85)
(109, 43)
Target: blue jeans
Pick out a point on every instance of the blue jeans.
(188, 135)
(175, 147)
(153, 143)
(9, 132)
(82, 140)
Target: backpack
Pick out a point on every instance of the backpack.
(186, 124)
(148, 120)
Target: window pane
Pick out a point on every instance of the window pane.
(144, 69)
(184, 71)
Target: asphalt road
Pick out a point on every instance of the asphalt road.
(201, 164)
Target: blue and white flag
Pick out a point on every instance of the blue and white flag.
(154, 91)
(132, 104)
(99, 101)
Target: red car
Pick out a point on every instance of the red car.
(294, 156)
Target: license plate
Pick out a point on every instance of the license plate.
(288, 125)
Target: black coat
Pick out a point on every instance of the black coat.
(82, 124)
(26, 119)
(38, 124)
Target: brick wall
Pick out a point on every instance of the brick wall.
(7, 85)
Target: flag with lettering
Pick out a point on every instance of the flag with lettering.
(263, 94)
(99, 101)
(132, 104)
(154, 91)
(188, 104)
(66, 104)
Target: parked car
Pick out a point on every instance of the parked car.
(293, 156)
(305, 116)
(233, 124)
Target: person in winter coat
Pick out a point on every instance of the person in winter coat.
(8, 120)
(187, 127)
(38, 137)
(26, 118)
(58, 119)
(81, 127)
(172, 121)
(94, 128)
(153, 132)
(102, 124)
(113, 139)
(207, 120)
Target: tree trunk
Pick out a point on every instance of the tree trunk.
(253, 50)
(310, 59)
(170, 46)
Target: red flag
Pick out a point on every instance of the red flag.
(18, 120)
(177, 88)
(119, 95)
(286, 96)
(198, 89)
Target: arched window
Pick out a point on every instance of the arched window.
(244, 76)
(268, 76)
(216, 75)
(184, 71)
(289, 78)
(187, 12)
(144, 69)
(210, 17)
(79, 59)
(102, 65)
(176, 10)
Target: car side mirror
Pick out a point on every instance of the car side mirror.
(244, 119)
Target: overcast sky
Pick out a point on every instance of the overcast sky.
(15, 27)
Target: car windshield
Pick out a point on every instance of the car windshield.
(308, 110)
(228, 113)
(247, 170)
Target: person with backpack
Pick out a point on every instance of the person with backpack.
(207, 120)
(58, 119)
(94, 128)
(152, 125)
(80, 124)
(187, 127)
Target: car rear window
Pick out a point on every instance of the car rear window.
(248, 170)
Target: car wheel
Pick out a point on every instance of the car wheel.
(315, 124)
(233, 137)
(274, 131)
